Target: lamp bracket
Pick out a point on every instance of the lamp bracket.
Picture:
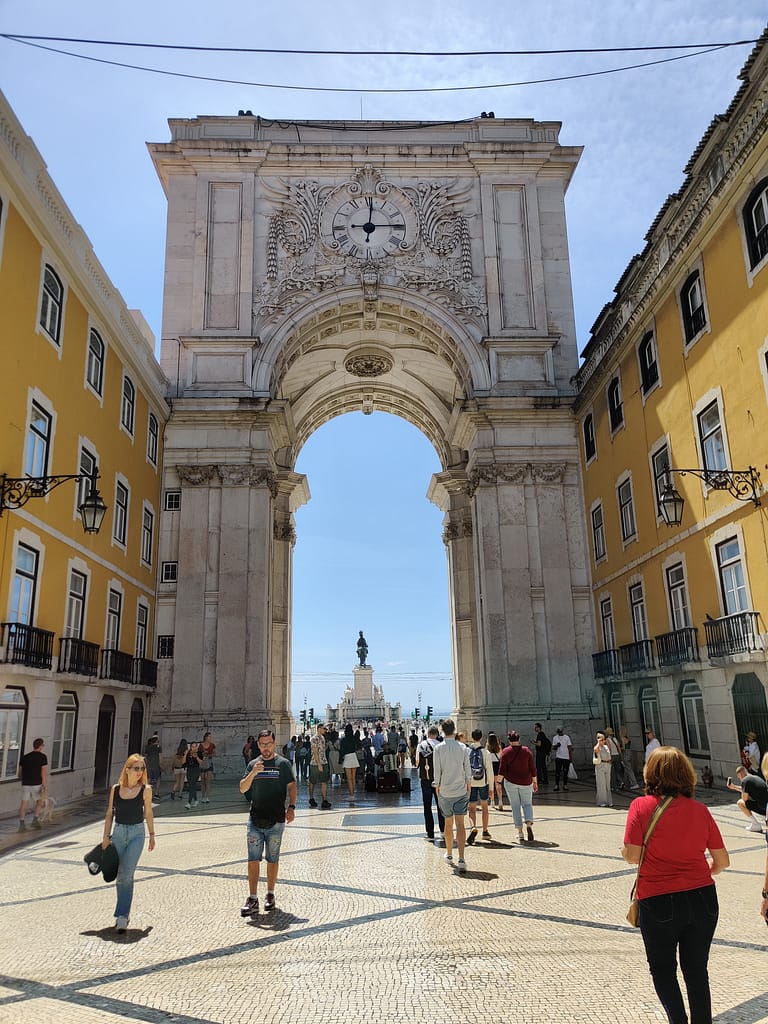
(742, 484)
(17, 491)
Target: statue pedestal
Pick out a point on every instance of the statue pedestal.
(363, 683)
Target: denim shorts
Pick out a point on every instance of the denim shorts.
(453, 805)
(478, 793)
(259, 838)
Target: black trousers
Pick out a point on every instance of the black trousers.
(561, 768)
(428, 794)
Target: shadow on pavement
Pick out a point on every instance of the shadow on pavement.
(125, 938)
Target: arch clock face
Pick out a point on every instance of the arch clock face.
(369, 227)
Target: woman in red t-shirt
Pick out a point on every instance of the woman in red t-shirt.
(678, 901)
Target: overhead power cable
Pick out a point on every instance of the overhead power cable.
(20, 37)
(357, 89)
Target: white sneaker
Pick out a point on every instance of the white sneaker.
(188, 806)
(448, 857)
(121, 923)
(754, 827)
(194, 803)
(461, 865)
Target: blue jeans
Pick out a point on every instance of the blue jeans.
(428, 794)
(128, 840)
(521, 801)
(683, 921)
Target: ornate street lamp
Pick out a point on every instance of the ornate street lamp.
(17, 491)
(742, 484)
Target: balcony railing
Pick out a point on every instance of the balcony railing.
(733, 634)
(606, 664)
(678, 647)
(117, 665)
(78, 656)
(27, 645)
(637, 657)
(144, 672)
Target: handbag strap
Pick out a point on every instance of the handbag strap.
(648, 833)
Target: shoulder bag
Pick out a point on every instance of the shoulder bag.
(633, 914)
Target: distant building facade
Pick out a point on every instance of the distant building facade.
(675, 376)
(319, 268)
(80, 392)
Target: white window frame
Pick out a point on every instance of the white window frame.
(121, 513)
(693, 718)
(678, 607)
(696, 268)
(615, 380)
(64, 732)
(637, 611)
(597, 529)
(646, 391)
(25, 584)
(147, 534)
(45, 303)
(650, 718)
(88, 465)
(91, 362)
(169, 572)
(627, 517)
(607, 624)
(659, 479)
(14, 707)
(153, 439)
(128, 406)
(170, 497)
(74, 618)
(142, 629)
(589, 418)
(757, 193)
(113, 620)
(705, 400)
(732, 576)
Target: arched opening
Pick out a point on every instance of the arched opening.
(371, 530)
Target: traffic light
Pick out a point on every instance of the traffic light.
(415, 712)
(311, 716)
(429, 711)
(303, 717)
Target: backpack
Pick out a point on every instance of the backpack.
(476, 764)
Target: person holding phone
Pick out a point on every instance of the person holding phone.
(267, 783)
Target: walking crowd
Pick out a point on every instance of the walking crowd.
(672, 838)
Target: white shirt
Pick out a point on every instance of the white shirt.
(651, 747)
(565, 743)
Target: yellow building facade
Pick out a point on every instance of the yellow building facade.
(81, 393)
(675, 377)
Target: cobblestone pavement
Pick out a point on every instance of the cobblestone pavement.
(371, 924)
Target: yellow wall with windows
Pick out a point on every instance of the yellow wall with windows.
(32, 363)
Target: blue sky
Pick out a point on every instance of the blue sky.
(369, 553)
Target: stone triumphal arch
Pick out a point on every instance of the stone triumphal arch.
(419, 269)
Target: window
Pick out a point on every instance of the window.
(678, 596)
(88, 467)
(120, 528)
(637, 610)
(13, 713)
(153, 434)
(606, 620)
(172, 501)
(649, 367)
(51, 304)
(170, 572)
(649, 711)
(142, 618)
(661, 475)
(731, 570)
(114, 615)
(626, 509)
(598, 532)
(711, 438)
(38, 442)
(75, 605)
(692, 305)
(615, 406)
(62, 752)
(616, 710)
(590, 447)
(128, 405)
(694, 722)
(164, 647)
(95, 367)
(147, 529)
(756, 223)
(24, 586)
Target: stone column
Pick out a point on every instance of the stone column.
(291, 493)
(448, 491)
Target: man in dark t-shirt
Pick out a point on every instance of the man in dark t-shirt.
(754, 797)
(268, 780)
(33, 770)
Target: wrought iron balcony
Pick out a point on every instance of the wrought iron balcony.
(117, 665)
(144, 672)
(637, 656)
(27, 645)
(606, 664)
(733, 634)
(678, 647)
(78, 656)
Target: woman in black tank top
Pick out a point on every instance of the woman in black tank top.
(130, 805)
